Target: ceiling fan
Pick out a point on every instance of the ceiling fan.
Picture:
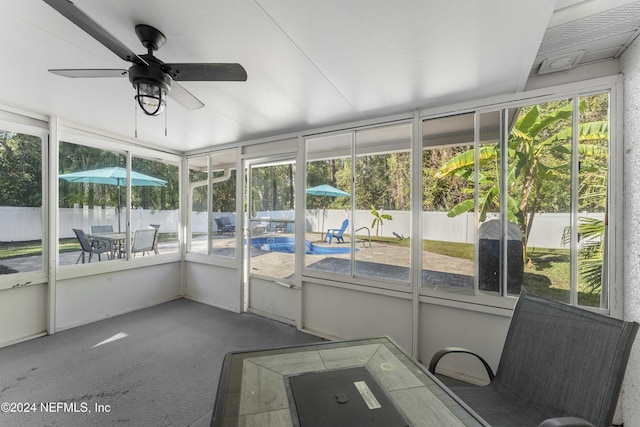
(152, 78)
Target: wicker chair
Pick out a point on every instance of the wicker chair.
(560, 366)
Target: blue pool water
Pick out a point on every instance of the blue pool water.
(287, 244)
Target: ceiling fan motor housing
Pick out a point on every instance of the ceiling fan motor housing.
(152, 84)
(150, 74)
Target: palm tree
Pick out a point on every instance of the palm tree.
(591, 232)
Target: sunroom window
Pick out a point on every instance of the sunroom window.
(517, 199)
(92, 190)
(155, 203)
(212, 201)
(20, 203)
(362, 221)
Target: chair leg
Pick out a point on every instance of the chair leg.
(81, 256)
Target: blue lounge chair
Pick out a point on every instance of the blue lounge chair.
(337, 232)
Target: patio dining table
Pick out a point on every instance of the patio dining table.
(336, 383)
(117, 241)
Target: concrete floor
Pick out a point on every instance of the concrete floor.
(153, 367)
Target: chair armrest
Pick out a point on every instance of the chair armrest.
(436, 358)
(100, 244)
(566, 422)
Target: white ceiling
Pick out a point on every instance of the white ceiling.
(309, 63)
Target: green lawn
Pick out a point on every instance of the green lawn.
(547, 272)
(33, 247)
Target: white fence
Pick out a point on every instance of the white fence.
(546, 231)
(21, 224)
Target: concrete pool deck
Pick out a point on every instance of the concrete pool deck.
(380, 260)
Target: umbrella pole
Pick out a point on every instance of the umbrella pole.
(119, 208)
(324, 212)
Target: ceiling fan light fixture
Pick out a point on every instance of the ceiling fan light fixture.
(151, 98)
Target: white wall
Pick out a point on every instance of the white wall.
(461, 325)
(630, 64)
(214, 285)
(351, 313)
(85, 299)
(22, 313)
(274, 300)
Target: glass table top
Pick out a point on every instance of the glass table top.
(255, 386)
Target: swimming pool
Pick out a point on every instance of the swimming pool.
(287, 244)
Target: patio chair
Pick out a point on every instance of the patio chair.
(337, 232)
(103, 229)
(155, 242)
(224, 225)
(97, 247)
(143, 241)
(560, 366)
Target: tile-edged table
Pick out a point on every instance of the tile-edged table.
(368, 382)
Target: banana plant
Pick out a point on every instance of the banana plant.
(527, 164)
(378, 218)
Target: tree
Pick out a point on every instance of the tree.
(538, 155)
(20, 169)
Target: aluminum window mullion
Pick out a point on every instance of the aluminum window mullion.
(416, 230)
(476, 196)
(209, 208)
(129, 238)
(575, 175)
(354, 159)
(504, 187)
(52, 229)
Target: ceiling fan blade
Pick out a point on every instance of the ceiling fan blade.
(222, 72)
(82, 20)
(74, 73)
(184, 97)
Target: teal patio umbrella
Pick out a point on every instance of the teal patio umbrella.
(326, 190)
(113, 176)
